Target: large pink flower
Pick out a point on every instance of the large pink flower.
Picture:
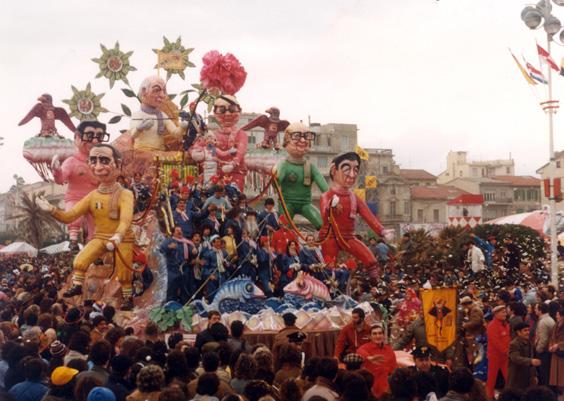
(222, 72)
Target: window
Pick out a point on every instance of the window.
(344, 143)
(557, 163)
(532, 195)
(508, 170)
(328, 140)
(460, 173)
(474, 172)
(322, 162)
(435, 215)
(406, 210)
(392, 208)
(489, 196)
(252, 140)
(519, 195)
(503, 195)
(384, 169)
(419, 214)
(393, 190)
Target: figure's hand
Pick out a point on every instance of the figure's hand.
(377, 359)
(145, 125)
(172, 245)
(233, 151)
(183, 124)
(535, 362)
(55, 163)
(44, 204)
(113, 242)
(334, 201)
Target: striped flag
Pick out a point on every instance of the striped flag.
(526, 75)
(536, 74)
(545, 58)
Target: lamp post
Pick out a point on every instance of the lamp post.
(533, 17)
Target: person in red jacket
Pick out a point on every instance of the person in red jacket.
(339, 209)
(499, 337)
(282, 236)
(353, 335)
(379, 359)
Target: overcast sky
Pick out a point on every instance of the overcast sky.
(421, 77)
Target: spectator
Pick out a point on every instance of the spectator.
(324, 385)
(460, 383)
(522, 366)
(545, 326)
(402, 385)
(499, 337)
(245, 371)
(353, 335)
(31, 389)
(150, 381)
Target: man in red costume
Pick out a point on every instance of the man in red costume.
(499, 337)
(339, 208)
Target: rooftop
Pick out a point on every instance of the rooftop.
(416, 174)
(519, 180)
(443, 192)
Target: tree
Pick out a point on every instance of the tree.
(34, 226)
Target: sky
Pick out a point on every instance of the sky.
(420, 77)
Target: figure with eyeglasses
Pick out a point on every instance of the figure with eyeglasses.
(231, 142)
(75, 172)
(296, 174)
(111, 207)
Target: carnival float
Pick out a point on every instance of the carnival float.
(171, 155)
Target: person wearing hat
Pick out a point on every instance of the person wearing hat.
(499, 337)
(101, 394)
(521, 372)
(353, 361)
(61, 386)
(422, 358)
(290, 333)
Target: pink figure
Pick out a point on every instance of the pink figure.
(232, 143)
(75, 172)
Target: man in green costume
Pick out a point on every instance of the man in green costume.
(296, 174)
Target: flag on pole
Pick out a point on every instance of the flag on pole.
(361, 152)
(370, 181)
(545, 58)
(537, 75)
(439, 313)
(526, 75)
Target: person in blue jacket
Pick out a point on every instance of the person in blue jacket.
(311, 258)
(288, 264)
(487, 247)
(176, 250)
(215, 266)
(187, 219)
(247, 254)
(265, 260)
(268, 218)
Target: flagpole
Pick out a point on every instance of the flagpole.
(551, 169)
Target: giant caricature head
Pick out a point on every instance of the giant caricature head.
(105, 163)
(344, 169)
(152, 91)
(90, 133)
(297, 139)
(227, 110)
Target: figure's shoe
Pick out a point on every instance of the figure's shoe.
(73, 246)
(74, 290)
(127, 304)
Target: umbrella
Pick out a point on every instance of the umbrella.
(16, 248)
(534, 219)
(58, 248)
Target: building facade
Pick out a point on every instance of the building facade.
(429, 203)
(458, 166)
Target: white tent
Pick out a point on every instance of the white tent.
(16, 248)
(58, 248)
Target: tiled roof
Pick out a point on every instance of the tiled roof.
(445, 192)
(416, 174)
(519, 180)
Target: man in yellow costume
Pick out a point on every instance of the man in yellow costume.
(112, 209)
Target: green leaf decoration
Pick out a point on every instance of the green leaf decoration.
(114, 120)
(128, 92)
(126, 110)
(183, 101)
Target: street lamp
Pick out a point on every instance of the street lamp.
(533, 16)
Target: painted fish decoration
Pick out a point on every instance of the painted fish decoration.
(308, 287)
(241, 289)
